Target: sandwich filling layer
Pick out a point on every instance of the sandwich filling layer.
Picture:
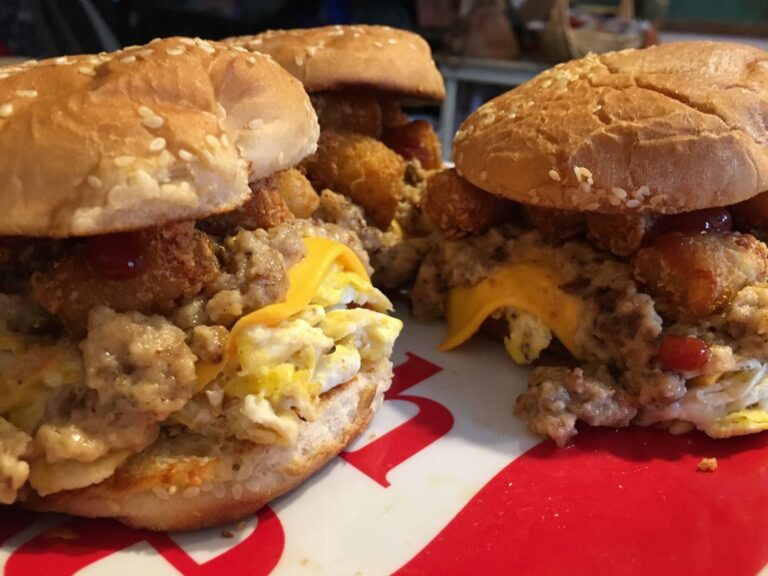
(108, 343)
(666, 325)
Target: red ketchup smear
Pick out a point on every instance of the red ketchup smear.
(707, 221)
(115, 256)
(683, 354)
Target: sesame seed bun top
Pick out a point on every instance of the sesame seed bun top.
(377, 58)
(668, 129)
(143, 136)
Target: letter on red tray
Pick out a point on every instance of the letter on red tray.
(69, 547)
(432, 422)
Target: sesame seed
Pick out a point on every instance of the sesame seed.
(237, 491)
(153, 122)
(61, 60)
(154, 40)
(94, 181)
(144, 179)
(251, 60)
(157, 144)
(191, 492)
(280, 158)
(483, 175)
(633, 203)
(212, 140)
(6, 110)
(93, 60)
(224, 139)
(186, 155)
(87, 71)
(555, 175)
(592, 206)
(27, 93)
(619, 192)
(207, 48)
(255, 42)
(146, 112)
(644, 191)
(123, 161)
(378, 45)
(575, 199)
(128, 59)
(147, 52)
(391, 41)
(172, 489)
(255, 123)
(299, 60)
(175, 51)
(187, 41)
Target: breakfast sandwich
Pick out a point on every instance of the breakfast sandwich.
(607, 221)
(177, 347)
(371, 162)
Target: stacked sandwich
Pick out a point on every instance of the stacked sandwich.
(606, 221)
(371, 162)
(178, 345)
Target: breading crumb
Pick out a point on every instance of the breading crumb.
(227, 534)
(707, 465)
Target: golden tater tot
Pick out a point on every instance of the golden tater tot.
(751, 214)
(264, 209)
(694, 275)
(458, 208)
(145, 271)
(415, 141)
(392, 114)
(555, 224)
(351, 111)
(361, 168)
(297, 192)
(621, 234)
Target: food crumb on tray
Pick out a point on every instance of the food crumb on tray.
(227, 534)
(707, 465)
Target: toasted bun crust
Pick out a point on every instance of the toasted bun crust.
(147, 135)
(189, 482)
(376, 58)
(667, 129)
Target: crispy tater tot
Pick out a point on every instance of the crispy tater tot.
(415, 141)
(751, 214)
(352, 111)
(622, 234)
(264, 209)
(171, 262)
(392, 114)
(359, 167)
(555, 224)
(458, 208)
(297, 192)
(694, 275)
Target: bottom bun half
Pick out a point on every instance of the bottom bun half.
(186, 481)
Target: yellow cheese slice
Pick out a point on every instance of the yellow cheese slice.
(304, 278)
(532, 288)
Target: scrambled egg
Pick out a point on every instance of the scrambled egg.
(29, 373)
(285, 368)
(729, 404)
(528, 336)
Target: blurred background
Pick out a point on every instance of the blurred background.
(483, 47)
